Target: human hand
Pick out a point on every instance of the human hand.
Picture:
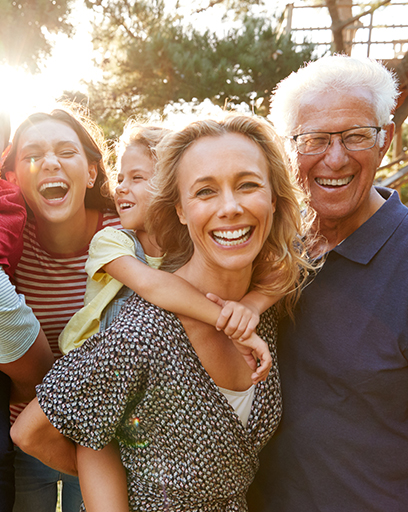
(257, 355)
(237, 321)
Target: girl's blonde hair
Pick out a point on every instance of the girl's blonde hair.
(281, 266)
(135, 134)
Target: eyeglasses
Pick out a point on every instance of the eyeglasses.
(354, 139)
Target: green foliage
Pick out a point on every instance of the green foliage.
(151, 59)
(23, 30)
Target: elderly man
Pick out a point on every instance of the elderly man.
(342, 445)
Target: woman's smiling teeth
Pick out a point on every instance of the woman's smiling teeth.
(236, 237)
(335, 182)
(53, 190)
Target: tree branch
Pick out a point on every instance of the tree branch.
(340, 25)
(211, 4)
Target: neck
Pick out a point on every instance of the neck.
(229, 285)
(331, 232)
(149, 244)
(68, 237)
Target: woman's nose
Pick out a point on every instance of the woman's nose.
(230, 206)
(51, 162)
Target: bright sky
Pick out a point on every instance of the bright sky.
(71, 63)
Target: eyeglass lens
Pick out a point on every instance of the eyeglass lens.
(355, 139)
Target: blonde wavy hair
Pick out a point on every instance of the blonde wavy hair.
(135, 134)
(281, 266)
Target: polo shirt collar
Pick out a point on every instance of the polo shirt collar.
(362, 245)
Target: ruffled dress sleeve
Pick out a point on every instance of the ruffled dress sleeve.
(86, 392)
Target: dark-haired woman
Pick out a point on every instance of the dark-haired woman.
(59, 167)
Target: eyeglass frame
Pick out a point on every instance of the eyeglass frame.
(294, 138)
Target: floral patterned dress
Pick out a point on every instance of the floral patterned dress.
(141, 382)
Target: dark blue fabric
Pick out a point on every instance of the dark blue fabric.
(6, 448)
(342, 445)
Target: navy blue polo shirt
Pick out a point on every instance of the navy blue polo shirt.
(342, 445)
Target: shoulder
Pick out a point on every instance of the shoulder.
(268, 325)
(144, 318)
(110, 235)
(110, 219)
(18, 325)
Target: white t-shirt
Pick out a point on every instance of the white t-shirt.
(240, 401)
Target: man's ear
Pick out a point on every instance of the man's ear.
(389, 134)
(180, 214)
(11, 177)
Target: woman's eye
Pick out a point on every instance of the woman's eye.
(204, 192)
(67, 153)
(32, 158)
(137, 178)
(249, 185)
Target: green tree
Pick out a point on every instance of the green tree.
(152, 59)
(25, 26)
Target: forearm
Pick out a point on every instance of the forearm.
(103, 479)
(166, 290)
(29, 369)
(258, 302)
(34, 434)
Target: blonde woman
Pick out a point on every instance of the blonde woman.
(174, 392)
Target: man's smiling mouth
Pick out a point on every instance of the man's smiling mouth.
(53, 190)
(236, 237)
(334, 182)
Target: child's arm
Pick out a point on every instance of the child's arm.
(164, 289)
(255, 352)
(239, 319)
(103, 479)
(175, 294)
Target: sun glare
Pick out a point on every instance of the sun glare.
(22, 93)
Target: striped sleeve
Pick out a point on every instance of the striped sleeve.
(18, 326)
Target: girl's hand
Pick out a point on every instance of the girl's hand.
(236, 320)
(256, 354)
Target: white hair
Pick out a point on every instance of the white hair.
(333, 74)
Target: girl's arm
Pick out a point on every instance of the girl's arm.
(34, 434)
(164, 289)
(103, 479)
(173, 293)
(239, 319)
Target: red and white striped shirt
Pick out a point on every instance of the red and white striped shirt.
(53, 284)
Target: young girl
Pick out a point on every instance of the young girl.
(25, 356)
